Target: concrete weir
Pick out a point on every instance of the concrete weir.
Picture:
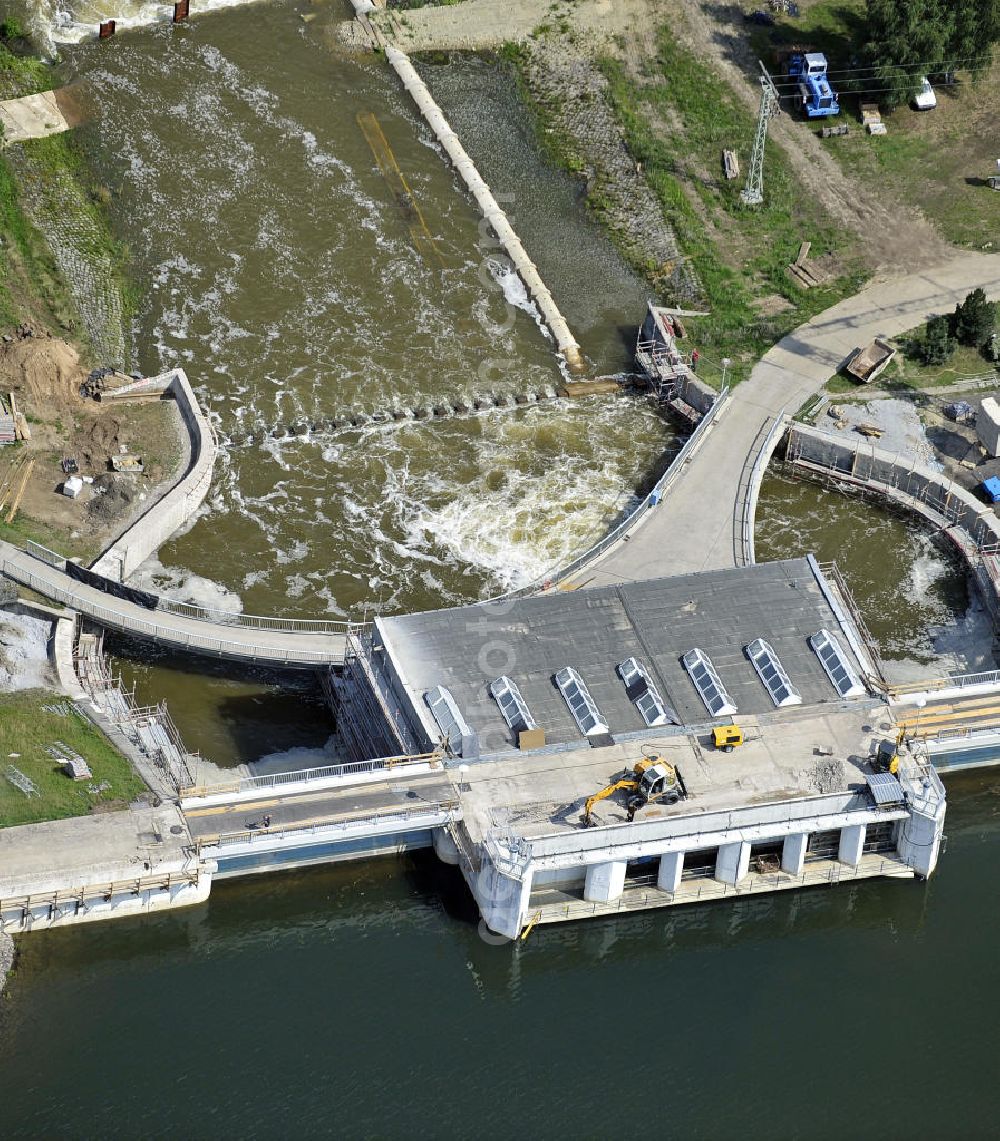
(487, 204)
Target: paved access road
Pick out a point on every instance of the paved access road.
(414, 793)
(277, 647)
(698, 526)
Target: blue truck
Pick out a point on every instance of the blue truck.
(818, 98)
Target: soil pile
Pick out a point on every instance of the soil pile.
(112, 496)
(43, 369)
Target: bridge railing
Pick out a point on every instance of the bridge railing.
(308, 776)
(252, 621)
(211, 614)
(449, 810)
(959, 681)
(203, 643)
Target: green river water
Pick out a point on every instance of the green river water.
(359, 1000)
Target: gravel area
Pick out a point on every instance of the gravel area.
(901, 427)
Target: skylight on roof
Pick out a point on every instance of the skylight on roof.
(772, 673)
(450, 721)
(581, 704)
(644, 695)
(834, 661)
(708, 683)
(513, 707)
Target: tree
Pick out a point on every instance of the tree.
(975, 320)
(911, 38)
(937, 343)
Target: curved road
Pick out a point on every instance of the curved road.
(698, 526)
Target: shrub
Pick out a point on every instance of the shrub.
(975, 320)
(937, 343)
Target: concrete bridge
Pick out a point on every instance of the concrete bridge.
(238, 637)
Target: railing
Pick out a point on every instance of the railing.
(209, 614)
(59, 899)
(751, 489)
(958, 681)
(307, 776)
(252, 621)
(52, 558)
(660, 488)
(171, 635)
(713, 889)
(433, 814)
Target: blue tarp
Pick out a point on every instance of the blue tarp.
(992, 488)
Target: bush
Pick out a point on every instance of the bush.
(937, 343)
(975, 320)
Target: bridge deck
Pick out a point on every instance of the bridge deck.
(278, 647)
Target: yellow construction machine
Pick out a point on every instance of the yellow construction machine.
(651, 779)
(727, 737)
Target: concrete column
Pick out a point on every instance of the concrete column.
(793, 853)
(852, 840)
(732, 862)
(671, 866)
(605, 881)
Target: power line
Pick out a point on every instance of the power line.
(932, 68)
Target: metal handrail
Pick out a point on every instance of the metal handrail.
(246, 650)
(252, 621)
(305, 776)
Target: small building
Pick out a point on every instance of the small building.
(988, 426)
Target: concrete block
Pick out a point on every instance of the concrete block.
(852, 841)
(605, 882)
(671, 866)
(733, 862)
(793, 853)
(988, 426)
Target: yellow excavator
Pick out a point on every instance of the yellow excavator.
(651, 779)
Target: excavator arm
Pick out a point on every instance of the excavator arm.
(631, 785)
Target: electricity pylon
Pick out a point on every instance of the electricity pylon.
(770, 105)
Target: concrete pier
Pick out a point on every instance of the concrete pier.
(489, 206)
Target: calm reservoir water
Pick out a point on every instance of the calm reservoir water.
(359, 1000)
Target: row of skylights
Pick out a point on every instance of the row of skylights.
(834, 661)
(513, 707)
(708, 683)
(643, 693)
(581, 704)
(448, 716)
(772, 673)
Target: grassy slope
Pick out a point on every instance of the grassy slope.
(26, 728)
(740, 253)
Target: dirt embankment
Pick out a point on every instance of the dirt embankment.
(45, 375)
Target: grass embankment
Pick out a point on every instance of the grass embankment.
(48, 180)
(936, 161)
(26, 728)
(677, 124)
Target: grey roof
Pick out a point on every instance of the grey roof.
(592, 630)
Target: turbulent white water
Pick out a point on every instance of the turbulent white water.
(284, 276)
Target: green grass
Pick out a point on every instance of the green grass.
(26, 728)
(904, 374)
(739, 253)
(935, 161)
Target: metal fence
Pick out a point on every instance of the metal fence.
(248, 651)
(427, 816)
(308, 776)
(959, 681)
(748, 494)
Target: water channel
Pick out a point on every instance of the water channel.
(359, 999)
